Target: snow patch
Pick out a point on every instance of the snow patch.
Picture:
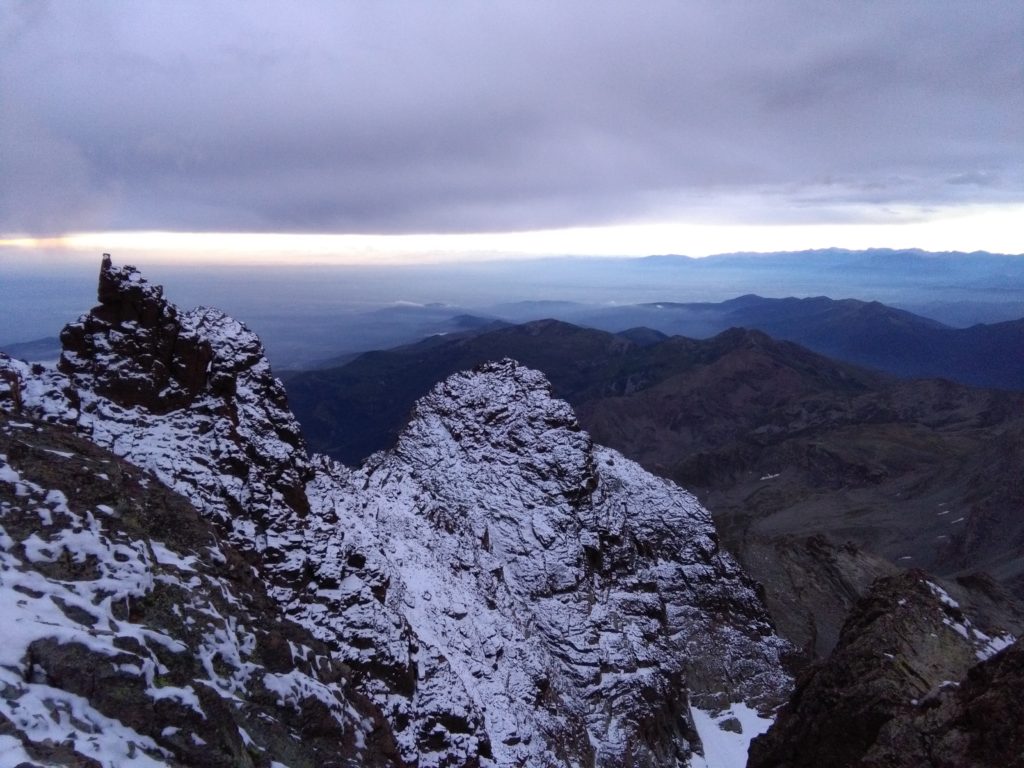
(727, 748)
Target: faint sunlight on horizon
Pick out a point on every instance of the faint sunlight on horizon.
(987, 228)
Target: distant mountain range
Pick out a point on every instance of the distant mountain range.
(869, 334)
(38, 351)
(865, 333)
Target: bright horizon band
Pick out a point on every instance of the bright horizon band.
(993, 229)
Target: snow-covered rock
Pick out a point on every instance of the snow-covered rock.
(189, 396)
(579, 600)
(504, 591)
(132, 636)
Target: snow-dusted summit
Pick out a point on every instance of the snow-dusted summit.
(503, 591)
(578, 600)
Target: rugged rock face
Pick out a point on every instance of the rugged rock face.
(906, 643)
(132, 635)
(811, 585)
(504, 591)
(190, 396)
(974, 724)
(577, 600)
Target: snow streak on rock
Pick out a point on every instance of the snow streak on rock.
(504, 591)
(985, 647)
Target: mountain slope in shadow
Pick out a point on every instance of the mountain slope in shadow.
(865, 333)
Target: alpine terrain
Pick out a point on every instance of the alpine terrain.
(821, 476)
(183, 584)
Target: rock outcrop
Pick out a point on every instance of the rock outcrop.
(581, 604)
(190, 396)
(135, 347)
(902, 652)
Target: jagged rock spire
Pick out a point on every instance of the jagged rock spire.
(206, 373)
(134, 345)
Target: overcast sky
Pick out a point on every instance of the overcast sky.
(393, 117)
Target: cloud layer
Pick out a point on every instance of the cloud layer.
(469, 116)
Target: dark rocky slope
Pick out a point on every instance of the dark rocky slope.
(975, 724)
(912, 682)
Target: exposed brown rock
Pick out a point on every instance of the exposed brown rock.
(811, 585)
(901, 648)
(976, 724)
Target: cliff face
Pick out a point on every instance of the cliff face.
(892, 694)
(500, 590)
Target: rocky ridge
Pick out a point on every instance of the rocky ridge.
(502, 590)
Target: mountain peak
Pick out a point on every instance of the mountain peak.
(501, 418)
(743, 337)
(494, 501)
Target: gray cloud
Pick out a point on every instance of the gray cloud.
(465, 116)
